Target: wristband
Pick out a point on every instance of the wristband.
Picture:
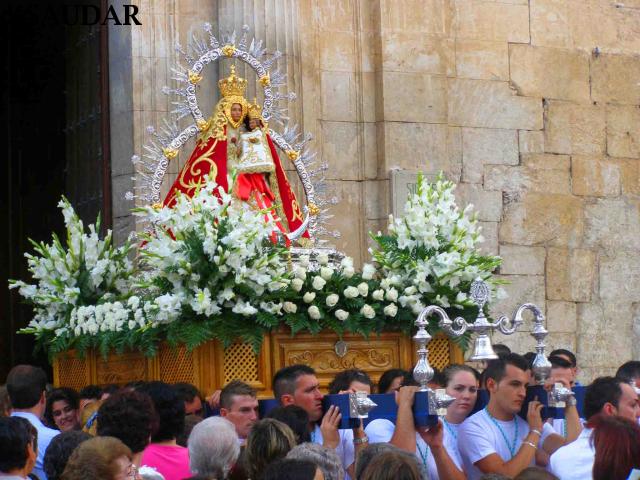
(571, 401)
(537, 432)
(531, 444)
(361, 440)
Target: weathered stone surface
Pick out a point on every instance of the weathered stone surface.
(595, 176)
(333, 16)
(484, 20)
(605, 333)
(349, 218)
(481, 146)
(415, 146)
(120, 185)
(619, 276)
(520, 289)
(482, 59)
(612, 224)
(430, 16)
(571, 128)
(376, 194)
(340, 150)
(490, 234)
(614, 78)
(542, 173)
(550, 23)
(414, 97)
(338, 96)
(570, 274)
(550, 72)
(337, 51)
(419, 53)
(483, 103)
(539, 219)
(530, 141)
(522, 260)
(623, 131)
(487, 204)
(629, 173)
(454, 151)
(561, 316)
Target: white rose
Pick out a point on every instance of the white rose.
(332, 300)
(314, 312)
(303, 260)
(363, 289)
(410, 290)
(348, 272)
(341, 315)
(322, 258)
(368, 271)
(318, 282)
(391, 310)
(300, 272)
(368, 311)
(308, 297)
(391, 295)
(350, 292)
(378, 294)
(290, 307)
(346, 262)
(326, 272)
(297, 284)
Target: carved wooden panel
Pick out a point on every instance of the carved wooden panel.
(120, 369)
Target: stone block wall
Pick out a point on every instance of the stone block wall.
(532, 106)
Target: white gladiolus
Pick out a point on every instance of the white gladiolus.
(318, 282)
(351, 292)
(341, 315)
(391, 310)
(363, 289)
(308, 297)
(332, 300)
(296, 284)
(368, 271)
(314, 312)
(378, 295)
(368, 311)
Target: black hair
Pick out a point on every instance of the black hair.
(169, 407)
(90, 391)
(59, 451)
(343, 380)
(26, 384)
(284, 381)
(559, 362)
(68, 395)
(566, 353)
(529, 357)
(110, 389)
(602, 390)
(186, 391)
(496, 369)
(290, 469)
(437, 379)
(501, 349)
(16, 434)
(629, 372)
(387, 378)
(130, 417)
(297, 418)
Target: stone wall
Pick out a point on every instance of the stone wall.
(532, 106)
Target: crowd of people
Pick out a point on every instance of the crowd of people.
(155, 431)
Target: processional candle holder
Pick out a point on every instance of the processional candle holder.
(482, 349)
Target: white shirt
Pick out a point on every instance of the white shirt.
(479, 437)
(345, 449)
(574, 461)
(45, 435)
(381, 431)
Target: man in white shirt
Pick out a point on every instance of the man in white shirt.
(239, 405)
(496, 439)
(606, 396)
(298, 385)
(26, 387)
(18, 447)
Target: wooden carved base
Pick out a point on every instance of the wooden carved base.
(211, 366)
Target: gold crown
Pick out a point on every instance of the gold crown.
(232, 85)
(255, 110)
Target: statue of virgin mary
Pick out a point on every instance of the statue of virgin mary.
(217, 152)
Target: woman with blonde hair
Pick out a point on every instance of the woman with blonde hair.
(268, 441)
(101, 458)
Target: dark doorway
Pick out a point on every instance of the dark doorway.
(54, 116)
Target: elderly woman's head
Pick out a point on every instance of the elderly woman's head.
(325, 458)
(100, 457)
(213, 447)
(268, 441)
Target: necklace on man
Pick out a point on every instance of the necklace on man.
(512, 446)
(423, 457)
(451, 430)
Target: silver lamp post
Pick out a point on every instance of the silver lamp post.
(482, 349)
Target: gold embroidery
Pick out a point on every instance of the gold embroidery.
(203, 124)
(197, 172)
(297, 214)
